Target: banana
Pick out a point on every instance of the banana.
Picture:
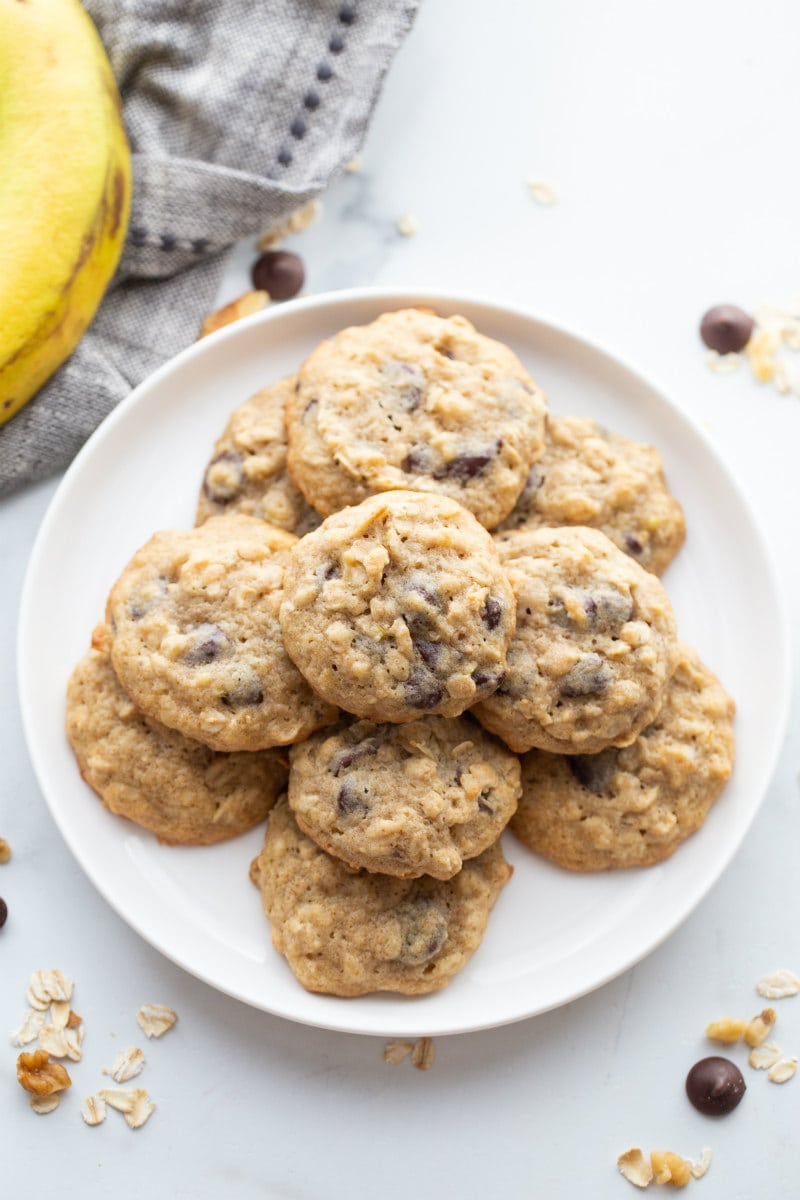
(65, 187)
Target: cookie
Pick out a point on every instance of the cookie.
(181, 791)
(397, 607)
(196, 641)
(348, 933)
(594, 648)
(634, 806)
(247, 472)
(415, 401)
(404, 800)
(587, 476)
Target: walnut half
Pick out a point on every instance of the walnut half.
(37, 1074)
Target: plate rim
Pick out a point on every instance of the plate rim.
(398, 297)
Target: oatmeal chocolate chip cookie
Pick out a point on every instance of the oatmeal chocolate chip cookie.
(633, 807)
(180, 790)
(196, 641)
(397, 607)
(415, 401)
(589, 477)
(594, 648)
(404, 800)
(247, 472)
(348, 933)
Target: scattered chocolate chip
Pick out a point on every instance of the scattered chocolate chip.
(422, 690)
(593, 771)
(726, 328)
(424, 931)
(466, 466)
(352, 799)
(207, 643)
(715, 1086)
(245, 694)
(220, 487)
(350, 754)
(492, 613)
(589, 676)
(280, 273)
(3, 912)
(632, 544)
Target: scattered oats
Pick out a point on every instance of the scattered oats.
(542, 193)
(760, 351)
(37, 1074)
(723, 364)
(782, 380)
(242, 306)
(634, 1167)
(29, 1029)
(763, 1056)
(699, 1169)
(155, 1019)
(134, 1104)
(783, 1071)
(45, 986)
(61, 1043)
(297, 222)
(44, 1104)
(5, 851)
(670, 1168)
(354, 166)
(778, 985)
(729, 1029)
(394, 1052)
(93, 1110)
(407, 225)
(759, 1029)
(126, 1065)
(423, 1054)
(59, 1013)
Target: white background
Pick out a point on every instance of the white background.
(669, 134)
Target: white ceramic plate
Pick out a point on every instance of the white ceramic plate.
(553, 935)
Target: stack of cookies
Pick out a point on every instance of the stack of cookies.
(483, 586)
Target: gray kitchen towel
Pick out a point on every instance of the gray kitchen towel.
(238, 112)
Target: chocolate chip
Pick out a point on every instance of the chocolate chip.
(532, 484)
(246, 693)
(280, 273)
(352, 799)
(483, 805)
(220, 487)
(492, 612)
(589, 676)
(726, 328)
(332, 571)
(487, 681)
(607, 608)
(424, 931)
(422, 690)
(140, 605)
(3, 912)
(557, 611)
(466, 466)
(715, 1086)
(406, 382)
(429, 652)
(593, 771)
(350, 754)
(207, 643)
(418, 461)
(632, 544)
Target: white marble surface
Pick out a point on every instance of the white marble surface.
(668, 134)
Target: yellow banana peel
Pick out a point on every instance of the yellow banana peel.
(65, 187)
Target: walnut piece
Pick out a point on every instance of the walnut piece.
(634, 1167)
(296, 222)
(423, 1054)
(37, 1074)
(729, 1029)
(395, 1051)
(5, 851)
(134, 1104)
(760, 1027)
(670, 1168)
(778, 985)
(155, 1019)
(242, 306)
